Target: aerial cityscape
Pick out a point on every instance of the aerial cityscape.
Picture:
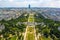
(29, 22)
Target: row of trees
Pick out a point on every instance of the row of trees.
(11, 29)
(50, 27)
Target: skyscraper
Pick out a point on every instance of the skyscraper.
(29, 6)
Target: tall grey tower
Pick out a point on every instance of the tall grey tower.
(29, 6)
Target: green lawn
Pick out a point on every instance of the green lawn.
(30, 30)
(30, 36)
(31, 18)
(13, 38)
(30, 33)
(44, 38)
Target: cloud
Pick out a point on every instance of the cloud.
(0, 0)
(11, 0)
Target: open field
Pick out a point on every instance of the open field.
(31, 18)
(30, 33)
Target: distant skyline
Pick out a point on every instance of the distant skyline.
(33, 3)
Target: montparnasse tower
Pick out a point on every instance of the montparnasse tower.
(29, 6)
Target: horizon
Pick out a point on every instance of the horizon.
(28, 7)
(33, 3)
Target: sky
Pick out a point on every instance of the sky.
(33, 3)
